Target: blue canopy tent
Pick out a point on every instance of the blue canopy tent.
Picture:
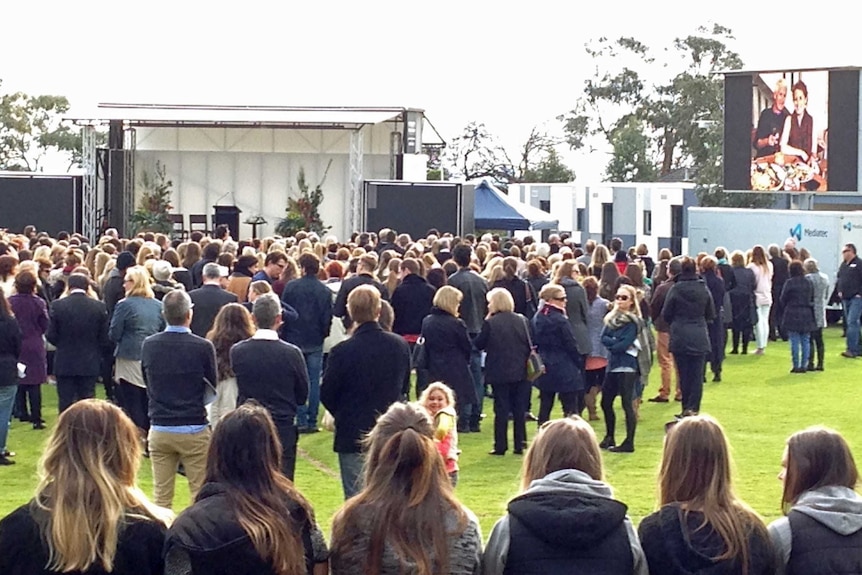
(493, 210)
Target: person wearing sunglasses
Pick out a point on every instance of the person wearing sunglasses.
(555, 341)
(622, 326)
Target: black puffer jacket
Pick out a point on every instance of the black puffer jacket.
(687, 309)
(797, 305)
(675, 544)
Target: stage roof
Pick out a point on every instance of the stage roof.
(169, 115)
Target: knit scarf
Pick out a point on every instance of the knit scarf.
(616, 319)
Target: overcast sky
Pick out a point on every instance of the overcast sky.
(510, 65)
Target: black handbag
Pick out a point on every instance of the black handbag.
(419, 359)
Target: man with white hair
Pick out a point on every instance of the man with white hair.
(209, 298)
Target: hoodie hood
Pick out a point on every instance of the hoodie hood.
(692, 548)
(568, 509)
(838, 508)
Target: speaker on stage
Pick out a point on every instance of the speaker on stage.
(229, 216)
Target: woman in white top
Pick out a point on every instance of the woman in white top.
(762, 268)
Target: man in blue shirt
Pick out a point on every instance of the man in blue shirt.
(180, 370)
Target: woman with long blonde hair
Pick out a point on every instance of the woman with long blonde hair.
(406, 519)
(565, 519)
(248, 517)
(136, 316)
(621, 336)
(701, 525)
(88, 515)
(601, 256)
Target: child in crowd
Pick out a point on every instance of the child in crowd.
(439, 401)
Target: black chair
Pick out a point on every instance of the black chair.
(178, 228)
(199, 223)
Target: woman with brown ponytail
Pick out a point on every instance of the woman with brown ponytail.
(406, 519)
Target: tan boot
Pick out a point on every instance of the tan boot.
(590, 401)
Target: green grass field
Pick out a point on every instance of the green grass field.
(759, 403)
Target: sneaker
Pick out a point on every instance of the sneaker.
(658, 399)
(530, 417)
(6, 461)
(849, 354)
(758, 351)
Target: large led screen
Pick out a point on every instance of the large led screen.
(792, 131)
(790, 134)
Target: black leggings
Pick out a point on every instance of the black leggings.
(573, 402)
(817, 345)
(620, 383)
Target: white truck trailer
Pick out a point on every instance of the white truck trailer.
(823, 234)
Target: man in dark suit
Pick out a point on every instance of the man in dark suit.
(411, 301)
(210, 254)
(79, 329)
(364, 375)
(273, 372)
(209, 299)
(473, 309)
(364, 276)
(179, 369)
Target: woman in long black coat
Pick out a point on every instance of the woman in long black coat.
(555, 341)
(797, 315)
(742, 303)
(688, 308)
(715, 285)
(447, 351)
(506, 340)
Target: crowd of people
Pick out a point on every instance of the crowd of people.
(248, 517)
(206, 342)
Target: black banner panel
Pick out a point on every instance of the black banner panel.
(415, 208)
(51, 203)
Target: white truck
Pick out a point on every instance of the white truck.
(822, 233)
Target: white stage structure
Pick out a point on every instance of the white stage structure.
(250, 157)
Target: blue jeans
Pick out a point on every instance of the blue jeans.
(800, 348)
(351, 473)
(853, 310)
(7, 400)
(475, 410)
(306, 415)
